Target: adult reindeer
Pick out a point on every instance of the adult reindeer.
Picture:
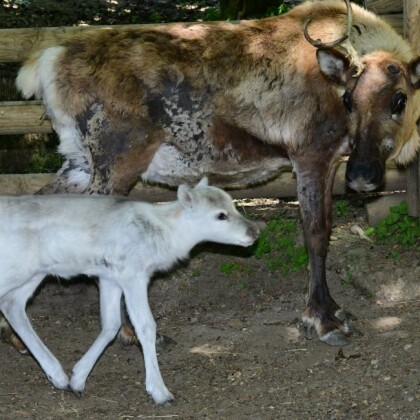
(236, 102)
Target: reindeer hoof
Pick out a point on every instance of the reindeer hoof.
(306, 331)
(343, 315)
(10, 337)
(18, 345)
(335, 338)
(127, 337)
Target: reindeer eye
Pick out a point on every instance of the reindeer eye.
(393, 69)
(222, 216)
(398, 102)
(347, 101)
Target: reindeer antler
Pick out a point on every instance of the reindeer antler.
(344, 41)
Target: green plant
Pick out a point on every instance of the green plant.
(228, 268)
(278, 246)
(397, 228)
(212, 13)
(341, 207)
(348, 280)
(44, 163)
(155, 17)
(277, 10)
(394, 255)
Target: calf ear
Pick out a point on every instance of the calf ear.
(333, 65)
(414, 69)
(185, 196)
(203, 183)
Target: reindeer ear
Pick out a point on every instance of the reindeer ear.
(185, 196)
(414, 69)
(333, 65)
(203, 183)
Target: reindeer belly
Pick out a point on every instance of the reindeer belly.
(172, 166)
(200, 142)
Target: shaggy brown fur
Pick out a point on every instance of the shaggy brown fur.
(237, 102)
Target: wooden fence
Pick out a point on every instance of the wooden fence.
(24, 117)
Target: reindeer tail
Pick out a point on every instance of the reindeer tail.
(28, 80)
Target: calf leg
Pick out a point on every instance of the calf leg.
(321, 310)
(135, 295)
(14, 311)
(110, 297)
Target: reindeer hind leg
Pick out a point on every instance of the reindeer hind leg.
(9, 336)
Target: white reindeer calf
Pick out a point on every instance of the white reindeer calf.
(121, 242)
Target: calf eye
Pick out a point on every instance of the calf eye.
(398, 102)
(222, 216)
(347, 100)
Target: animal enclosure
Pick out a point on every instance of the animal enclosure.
(239, 353)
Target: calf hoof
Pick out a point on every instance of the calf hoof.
(77, 385)
(79, 394)
(162, 397)
(76, 390)
(61, 382)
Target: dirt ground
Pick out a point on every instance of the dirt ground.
(238, 351)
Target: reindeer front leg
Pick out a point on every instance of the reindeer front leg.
(321, 310)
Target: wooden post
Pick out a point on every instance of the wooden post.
(412, 33)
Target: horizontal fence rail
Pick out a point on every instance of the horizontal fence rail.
(23, 117)
(281, 187)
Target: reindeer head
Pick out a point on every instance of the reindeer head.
(381, 95)
(383, 107)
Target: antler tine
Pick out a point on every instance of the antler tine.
(328, 45)
(317, 43)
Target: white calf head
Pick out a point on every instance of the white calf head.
(214, 217)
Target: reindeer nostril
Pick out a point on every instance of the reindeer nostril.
(388, 146)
